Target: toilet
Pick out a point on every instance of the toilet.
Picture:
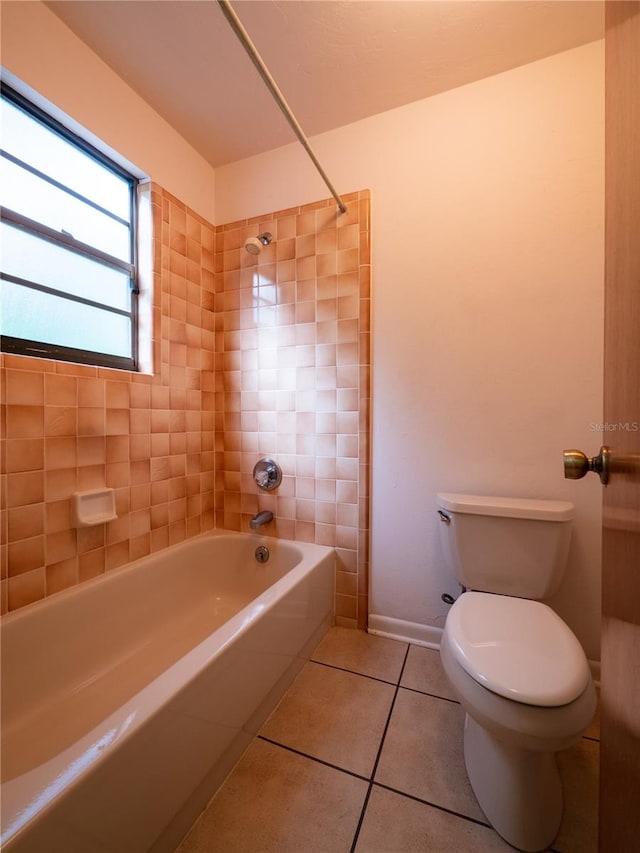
(520, 673)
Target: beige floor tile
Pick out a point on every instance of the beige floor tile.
(579, 769)
(422, 753)
(360, 652)
(278, 802)
(396, 824)
(333, 715)
(424, 672)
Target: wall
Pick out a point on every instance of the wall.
(292, 382)
(487, 297)
(487, 309)
(69, 427)
(43, 53)
(253, 356)
(151, 435)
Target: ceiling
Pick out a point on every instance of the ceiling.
(336, 61)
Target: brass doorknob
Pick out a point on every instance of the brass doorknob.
(577, 464)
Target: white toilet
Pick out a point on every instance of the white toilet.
(521, 674)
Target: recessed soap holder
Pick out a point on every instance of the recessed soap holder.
(94, 506)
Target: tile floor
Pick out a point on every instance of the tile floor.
(364, 754)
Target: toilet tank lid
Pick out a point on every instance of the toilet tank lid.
(539, 510)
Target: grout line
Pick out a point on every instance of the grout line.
(434, 805)
(375, 763)
(381, 785)
(384, 680)
(432, 695)
(352, 671)
(312, 758)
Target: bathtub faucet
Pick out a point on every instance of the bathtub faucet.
(261, 518)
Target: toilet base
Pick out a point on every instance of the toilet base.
(518, 790)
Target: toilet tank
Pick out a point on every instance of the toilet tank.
(510, 546)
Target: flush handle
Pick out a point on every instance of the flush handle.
(577, 464)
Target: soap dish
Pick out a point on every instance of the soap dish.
(95, 506)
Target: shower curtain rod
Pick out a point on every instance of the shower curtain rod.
(244, 38)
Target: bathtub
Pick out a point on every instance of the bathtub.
(127, 700)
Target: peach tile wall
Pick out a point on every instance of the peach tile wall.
(292, 381)
(68, 427)
(254, 356)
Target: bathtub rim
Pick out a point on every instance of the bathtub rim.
(109, 576)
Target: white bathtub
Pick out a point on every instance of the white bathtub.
(126, 700)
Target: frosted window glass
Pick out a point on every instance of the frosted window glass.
(45, 150)
(35, 198)
(36, 316)
(29, 257)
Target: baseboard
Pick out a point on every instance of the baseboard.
(406, 632)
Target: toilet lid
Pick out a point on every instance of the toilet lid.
(517, 648)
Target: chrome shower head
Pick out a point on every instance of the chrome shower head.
(254, 245)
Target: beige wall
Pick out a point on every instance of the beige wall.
(42, 52)
(487, 264)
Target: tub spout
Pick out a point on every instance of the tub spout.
(261, 518)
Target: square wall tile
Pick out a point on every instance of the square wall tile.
(74, 427)
(293, 329)
(244, 349)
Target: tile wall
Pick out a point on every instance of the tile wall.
(255, 356)
(292, 381)
(68, 427)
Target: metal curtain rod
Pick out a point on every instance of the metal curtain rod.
(272, 86)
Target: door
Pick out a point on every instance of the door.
(620, 737)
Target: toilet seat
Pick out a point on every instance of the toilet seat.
(517, 648)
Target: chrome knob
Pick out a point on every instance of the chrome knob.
(577, 464)
(267, 474)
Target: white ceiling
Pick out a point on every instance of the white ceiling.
(336, 61)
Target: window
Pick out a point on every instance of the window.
(67, 231)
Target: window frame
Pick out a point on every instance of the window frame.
(38, 349)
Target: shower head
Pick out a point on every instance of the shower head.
(254, 245)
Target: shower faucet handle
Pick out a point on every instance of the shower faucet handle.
(267, 474)
(262, 479)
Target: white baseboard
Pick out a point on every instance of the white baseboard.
(406, 632)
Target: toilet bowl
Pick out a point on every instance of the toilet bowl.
(510, 743)
(520, 673)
